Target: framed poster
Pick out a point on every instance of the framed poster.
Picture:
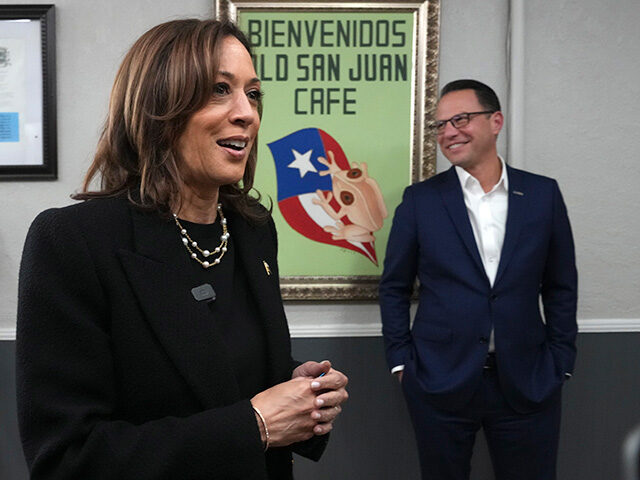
(27, 98)
(350, 90)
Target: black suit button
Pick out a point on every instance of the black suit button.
(493, 297)
(484, 340)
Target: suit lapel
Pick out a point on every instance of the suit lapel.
(453, 199)
(255, 246)
(183, 326)
(518, 201)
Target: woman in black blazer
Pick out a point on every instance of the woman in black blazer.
(152, 341)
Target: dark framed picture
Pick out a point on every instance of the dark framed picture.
(350, 91)
(27, 93)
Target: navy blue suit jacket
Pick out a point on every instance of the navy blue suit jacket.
(446, 347)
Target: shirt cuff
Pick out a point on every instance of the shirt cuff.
(397, 368)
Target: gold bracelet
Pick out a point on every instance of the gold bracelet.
(264, 424)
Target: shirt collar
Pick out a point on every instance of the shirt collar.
(465, 178)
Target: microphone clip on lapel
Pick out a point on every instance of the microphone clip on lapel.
(204, 293)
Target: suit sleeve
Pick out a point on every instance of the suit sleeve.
(398, 277)
(559, 289)
(67, 393)
(315, 446)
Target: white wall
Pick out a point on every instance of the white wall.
(91, 39)
(473, 44)
(581, 116)
(582, 121)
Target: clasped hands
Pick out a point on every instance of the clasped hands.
(304, 406)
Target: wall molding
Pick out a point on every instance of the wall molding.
(7, 333)
(591, 325)
(609, 325)
(336, 330)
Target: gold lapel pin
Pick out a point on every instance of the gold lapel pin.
(266, 267)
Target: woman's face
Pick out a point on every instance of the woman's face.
(216, 142)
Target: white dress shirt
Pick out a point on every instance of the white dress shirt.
(488, 216)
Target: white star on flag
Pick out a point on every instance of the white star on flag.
(302, 162)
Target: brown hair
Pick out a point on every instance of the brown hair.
(167, 75)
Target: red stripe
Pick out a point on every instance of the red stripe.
(298, 219)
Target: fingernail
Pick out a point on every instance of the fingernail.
(315, 384)
(315, 415)
(319, 402)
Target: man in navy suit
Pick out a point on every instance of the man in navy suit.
(486, 242)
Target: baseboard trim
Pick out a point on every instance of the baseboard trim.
(591, 325)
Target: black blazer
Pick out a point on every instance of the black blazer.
(120, 372)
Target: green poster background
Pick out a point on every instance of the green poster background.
(379, 133)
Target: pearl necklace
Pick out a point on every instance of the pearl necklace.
(192, 246)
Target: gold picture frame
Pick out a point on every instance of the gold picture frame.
(425, 15)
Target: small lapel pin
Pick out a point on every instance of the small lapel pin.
(516, 192)
(266, 267)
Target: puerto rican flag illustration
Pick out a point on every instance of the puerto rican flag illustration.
(298, 176)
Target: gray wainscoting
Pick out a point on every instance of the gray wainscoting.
(373, 438)
(12, 464)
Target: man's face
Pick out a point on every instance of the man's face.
(475, 143)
